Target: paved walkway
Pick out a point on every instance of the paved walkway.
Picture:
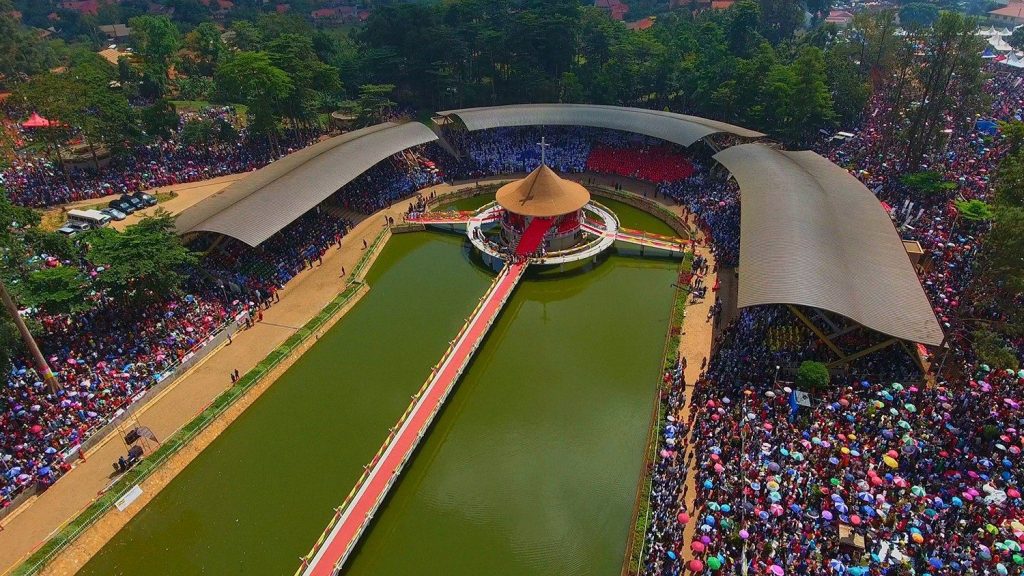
(385, 470)
(28, 527)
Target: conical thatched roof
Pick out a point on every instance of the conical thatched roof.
(543, 193)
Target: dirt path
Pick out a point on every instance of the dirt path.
(695, 346)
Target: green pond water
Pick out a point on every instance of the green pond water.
(629, 216)
(530, 469)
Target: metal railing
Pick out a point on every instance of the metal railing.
(401, 421)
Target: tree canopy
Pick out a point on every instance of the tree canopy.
(144, 262)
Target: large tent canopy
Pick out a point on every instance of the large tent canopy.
(260, 205)
(677, 128)
(812, 235)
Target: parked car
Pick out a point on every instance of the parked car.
(73, 228)
(136, 202)
(114, 214)
(147, 199)
(123, 206)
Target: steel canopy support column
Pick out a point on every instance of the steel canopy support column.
(864, 352)
(817, 331)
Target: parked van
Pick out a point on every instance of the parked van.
(94, 218)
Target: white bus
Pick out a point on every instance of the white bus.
(94, 218)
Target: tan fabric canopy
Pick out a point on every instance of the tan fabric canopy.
(543, 193)
(811, 234)
(261, 204)
(677, 128)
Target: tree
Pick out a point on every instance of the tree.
(812, 376)
(992, 350)
(1016, 39)
(251, 79)
(918, 15)
(314, 84)
(811, 103)
(14, 220)
(742, 33)
(22, 51)
(1009, 182)
(950, 82)
(374, 101)
(145, 262)
(161, 119)
(205, 47)
(245, 36)
(58, 290)
(157, 42)
(974, 210)
(1003, 257)
(198, 132)
(927, 182)
(780, 19)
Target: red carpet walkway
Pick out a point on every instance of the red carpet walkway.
(533, 236)
(334, 547)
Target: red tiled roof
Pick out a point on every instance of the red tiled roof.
(1012, 10)
(82, 6)
(641, 24)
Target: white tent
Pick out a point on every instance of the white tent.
(990, 31)
(999, 44)
(1005, 32)
(1013, 61)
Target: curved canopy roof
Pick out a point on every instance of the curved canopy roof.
(677, 128)
(543, 193)
(258, 206)
(811, 234)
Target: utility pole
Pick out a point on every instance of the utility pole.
(30, 343)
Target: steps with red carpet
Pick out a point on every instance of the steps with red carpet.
(533, 236)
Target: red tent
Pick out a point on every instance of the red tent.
(36, 121)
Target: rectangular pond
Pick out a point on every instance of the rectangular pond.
(531, 468)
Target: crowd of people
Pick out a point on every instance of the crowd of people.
(39, 181)
(109, 356)
(748, 480)
(105, 358)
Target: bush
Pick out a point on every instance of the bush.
(812, 375)
(991, 349)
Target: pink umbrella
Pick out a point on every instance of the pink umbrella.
(697, 546)
(695, 565)
(776, 570)
(683, 517)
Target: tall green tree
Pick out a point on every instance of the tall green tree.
(251, 79)
(145, 262)
(59, 290)
(811, 106)
(205, 48)
(157, 42)
(315, 85)
(780, 19)
(950, 82)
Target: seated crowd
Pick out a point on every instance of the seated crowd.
(930, 474)
(39, 182)
(110, 356)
